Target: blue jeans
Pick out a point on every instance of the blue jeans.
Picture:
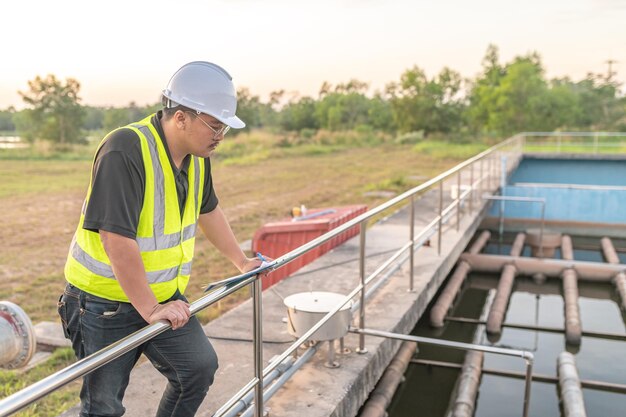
(184, 356)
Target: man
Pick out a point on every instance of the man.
(130, 260)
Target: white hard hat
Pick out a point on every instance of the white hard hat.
(206, 88)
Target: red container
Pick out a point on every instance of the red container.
(279, 238)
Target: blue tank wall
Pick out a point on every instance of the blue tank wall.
(568, 204)
(565, 203)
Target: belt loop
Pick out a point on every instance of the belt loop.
(81, 300)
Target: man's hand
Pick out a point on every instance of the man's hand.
(253, 263)
(176, 312)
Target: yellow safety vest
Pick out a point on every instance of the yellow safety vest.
(165, 241)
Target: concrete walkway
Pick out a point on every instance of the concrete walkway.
(316, 390)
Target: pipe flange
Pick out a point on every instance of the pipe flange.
(23, 331)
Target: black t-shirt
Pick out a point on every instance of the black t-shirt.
(118, 182)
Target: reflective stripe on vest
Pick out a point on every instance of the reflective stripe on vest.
(167, 256)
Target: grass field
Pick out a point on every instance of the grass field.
(258, 178)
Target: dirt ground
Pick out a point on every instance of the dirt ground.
(40, 203)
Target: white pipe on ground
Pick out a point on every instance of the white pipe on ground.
(17, 336)
(620, 279)
(573, 328)
(441, 307)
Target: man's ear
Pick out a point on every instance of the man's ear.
(180, 118)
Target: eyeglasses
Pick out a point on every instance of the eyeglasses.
(219, 132)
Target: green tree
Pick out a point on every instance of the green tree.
(251, 110)
(56, 114)
(482, 90)
(298, 115)
(6, 120)
(518, 102)
(346, 106)
(94, 118)
(115, 117)
(420, 104)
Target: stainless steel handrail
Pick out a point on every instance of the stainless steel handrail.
(28, 395)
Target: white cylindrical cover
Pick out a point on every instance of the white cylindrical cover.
(306, 309)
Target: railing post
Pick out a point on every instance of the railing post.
(595, 143)
(480, 181)
(490, 174)
(458, 201)
(558, 142)
(257, 302)
(471, 194)
(412, 248)
(529, 378)
(363, 226)
(440, 217)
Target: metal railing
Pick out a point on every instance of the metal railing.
(484, 171)
(574, 142)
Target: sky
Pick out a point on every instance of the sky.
(126, 51)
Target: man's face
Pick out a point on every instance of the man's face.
(207, 132)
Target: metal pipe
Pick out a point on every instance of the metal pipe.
(620, 279)
(590, 384)
(482, 178)
(248, 398)
(472, 194)
(269, 393)
(440, 229)
(469, 380)
(505, 286)
(236, 398)
(552, 268)
(380, 398)
(412, 239)
(597, 335)
(527, 356)
(361, 349)
(443, 303)
(573, 328)
(458, 201)
(357, 304)
(569, 383)
(419, 241)
(257, 301)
